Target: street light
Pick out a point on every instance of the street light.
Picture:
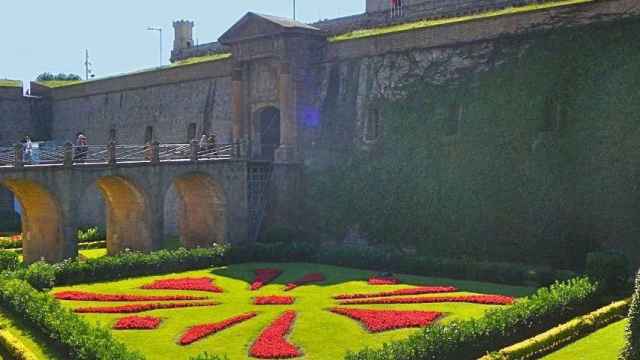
(159, 30)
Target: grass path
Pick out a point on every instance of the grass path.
(319, 333)
(605, 343)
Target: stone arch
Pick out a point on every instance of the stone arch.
(129, 224)
(42, 221)
(201, 210)
(268, 131)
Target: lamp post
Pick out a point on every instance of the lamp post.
(159, 30)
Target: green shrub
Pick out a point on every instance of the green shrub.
(470, 339)
(610, 269)
(130, 264)
(631, 349)
(560, 335)
(12, 242)
(9, 260)
(91, 234)
(41, 275)
(68, 332)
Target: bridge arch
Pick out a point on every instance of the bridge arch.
(129, 224)
(201, 210)
(42, 221)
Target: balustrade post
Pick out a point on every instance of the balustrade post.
(19, 156)
(68, 154)
(111, 153)
(194, 150)
(155, 152)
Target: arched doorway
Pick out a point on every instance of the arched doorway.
(42, 229)
(269, 132)
(200, 211)
(128, 218)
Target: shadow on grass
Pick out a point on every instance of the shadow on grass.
(338, 275)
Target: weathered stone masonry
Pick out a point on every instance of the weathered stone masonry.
(319, 93)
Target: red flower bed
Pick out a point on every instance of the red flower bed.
(411, 291)
(136, 308)
(376, 280)
(382, 320)
(271, 344)
(309, 278)
(263, 277)
(273, 300)
(137, 323)
(88, 296)
(199, 284)
(474, 299)
(198, 332)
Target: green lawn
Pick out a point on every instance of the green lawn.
(319, 333)
(605, 343)
(10, 83)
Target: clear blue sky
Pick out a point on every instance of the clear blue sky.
(51, 35)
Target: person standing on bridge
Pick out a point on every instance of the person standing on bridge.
(82, 147)
(28, 150)
(211, 142)
(203, 142)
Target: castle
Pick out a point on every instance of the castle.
(308, 94)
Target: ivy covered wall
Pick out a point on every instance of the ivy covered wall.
(516, 150)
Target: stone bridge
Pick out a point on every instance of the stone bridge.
(218, 195)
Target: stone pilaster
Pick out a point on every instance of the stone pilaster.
(237, 103)
(286, 152)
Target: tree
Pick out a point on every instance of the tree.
(60, 77)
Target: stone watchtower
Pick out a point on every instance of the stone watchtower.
(183, 36)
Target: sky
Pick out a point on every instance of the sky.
(39, 36)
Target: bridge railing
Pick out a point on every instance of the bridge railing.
(112, 154)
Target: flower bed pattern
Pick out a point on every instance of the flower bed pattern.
(199, 332)
(88, 296)
(271, 344)
(263, 277)
(199, 284)
(273, 300)
(383, 320)
(309, 278)
(412, 291)
(136, 308)
(137, 323)
(376, 280)
(474, 299)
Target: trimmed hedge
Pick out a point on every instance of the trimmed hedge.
(14, 347)
(471, 339)
(132, 264)
(389, 259)
(562, 334)
(66, 330)
(631, 350)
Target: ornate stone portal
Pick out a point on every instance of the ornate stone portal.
(272, 58)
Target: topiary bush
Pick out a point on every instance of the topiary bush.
(9, 260)
(67, 331)
(610, 269)
(41, 275)
(631, 349)
(473, 338)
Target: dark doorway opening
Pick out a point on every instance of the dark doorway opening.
(269, 128)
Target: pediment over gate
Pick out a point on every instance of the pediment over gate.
(254, 26)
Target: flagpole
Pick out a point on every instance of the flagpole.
(294, 9)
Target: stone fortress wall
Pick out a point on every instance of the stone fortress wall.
(336, 84)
